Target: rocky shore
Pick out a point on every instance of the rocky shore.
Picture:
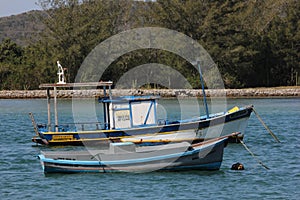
(233, 93)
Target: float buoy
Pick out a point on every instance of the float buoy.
(237, 166)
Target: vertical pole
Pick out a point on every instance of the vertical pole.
(49, 109)
(104, 116)
(110, 111)
(104, 109)
(203, 90)
(104, 91)
(55, 109)
(296, 78)
(108, 115)
(109, 92)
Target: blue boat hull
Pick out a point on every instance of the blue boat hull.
(202, 156)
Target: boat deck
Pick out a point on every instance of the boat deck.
(117, 149)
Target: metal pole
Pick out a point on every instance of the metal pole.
(109, 110)
(55, 109)
(203, 90)
(109, 92)
(104, 109)
(49, 109)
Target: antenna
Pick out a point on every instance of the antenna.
(202, 85)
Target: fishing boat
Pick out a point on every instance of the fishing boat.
(127, 116)
(134, 116)
(128, 157)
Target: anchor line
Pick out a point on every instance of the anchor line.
(266, 127)
(252, 154)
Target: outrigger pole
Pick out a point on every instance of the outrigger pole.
(203, 91)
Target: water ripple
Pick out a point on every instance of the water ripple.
(22, 176)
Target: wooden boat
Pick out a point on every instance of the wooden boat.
(129, 116)
(127, 157)
(134, 116)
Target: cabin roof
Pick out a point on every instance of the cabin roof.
(128, 98)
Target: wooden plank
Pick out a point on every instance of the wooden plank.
(70, 85)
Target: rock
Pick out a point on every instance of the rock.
(251, 92)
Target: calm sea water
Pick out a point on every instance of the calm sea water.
(22, 176)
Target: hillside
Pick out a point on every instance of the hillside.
(23, 29)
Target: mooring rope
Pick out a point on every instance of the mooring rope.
(263, 123)
(252, 154)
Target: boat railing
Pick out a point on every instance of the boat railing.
(72, 127)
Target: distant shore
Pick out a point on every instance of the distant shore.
(165, 93)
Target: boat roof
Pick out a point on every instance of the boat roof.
(128, 98)
(71, 85)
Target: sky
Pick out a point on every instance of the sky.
(13, 7)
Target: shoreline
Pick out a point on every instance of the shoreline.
(164, 93)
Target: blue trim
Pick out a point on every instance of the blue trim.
(155, 114)
(113, 116)
(104, 116)
(148, 113)
(130, 115)
(122, 143)
(50, 169)
(117, 109)
(144, 125)
(108, 116)
(208, 166)
(102, 169)
(132, 161)
(128, 98)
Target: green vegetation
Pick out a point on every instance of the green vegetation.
(24, 29)
(254, 43)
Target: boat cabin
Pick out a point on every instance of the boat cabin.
(118, 112)
(129, 111)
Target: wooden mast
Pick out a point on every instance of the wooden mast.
(55, 109)
(49, 109)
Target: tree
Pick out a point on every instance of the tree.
(75, 27)
(254, 43)
(10, 52)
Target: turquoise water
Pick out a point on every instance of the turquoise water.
(22, 176)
